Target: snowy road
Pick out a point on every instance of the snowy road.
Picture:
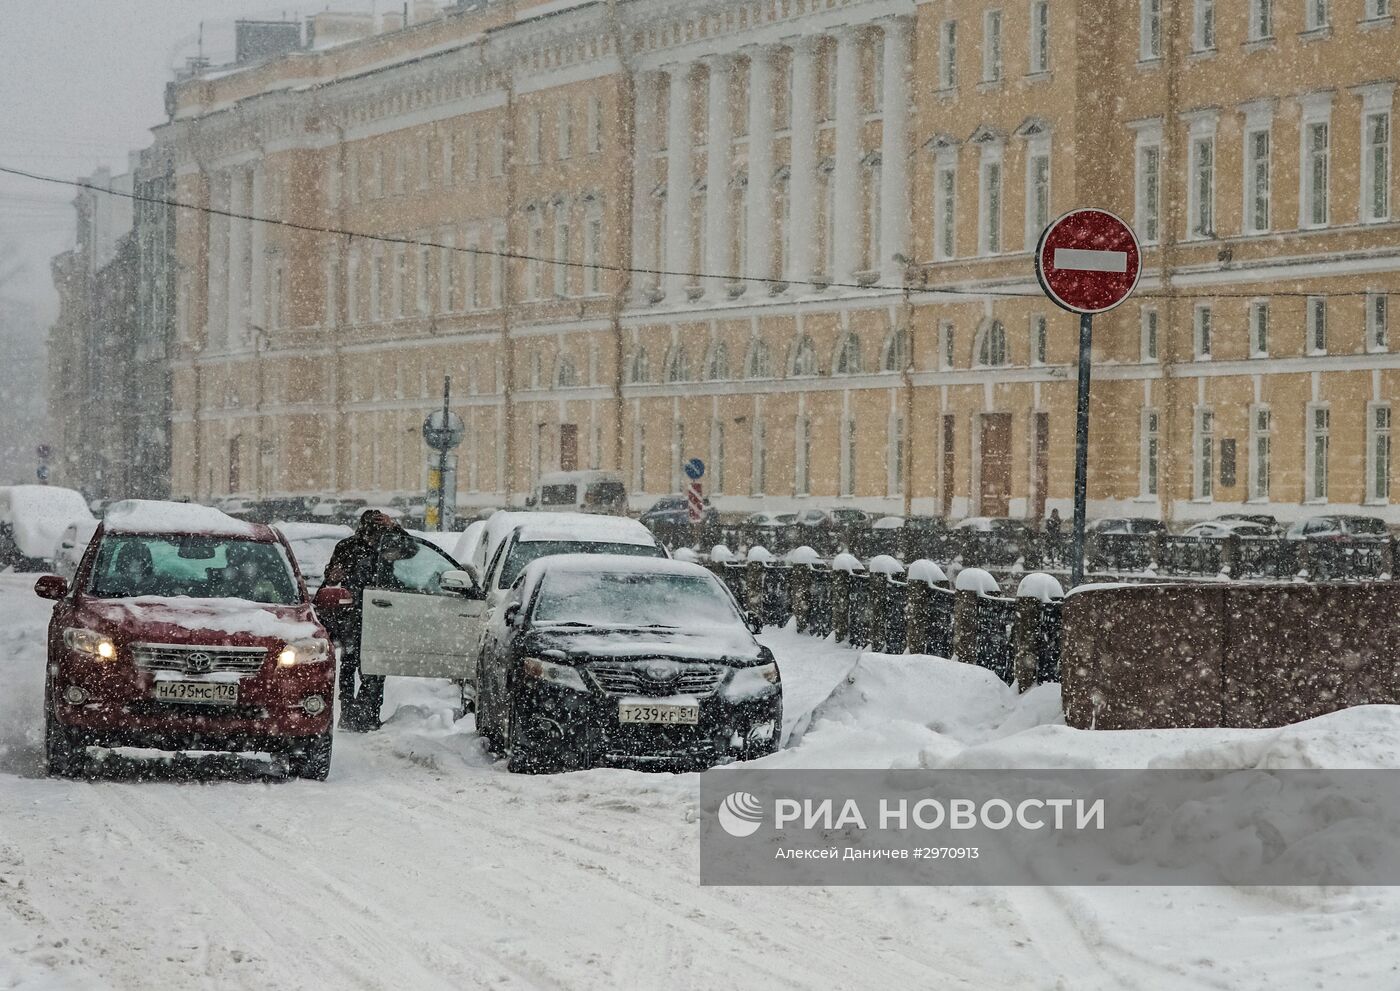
(421, 864)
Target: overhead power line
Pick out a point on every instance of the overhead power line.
(624, 269)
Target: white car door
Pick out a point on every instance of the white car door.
(414, 627)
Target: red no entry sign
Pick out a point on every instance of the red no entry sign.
(1088, 261)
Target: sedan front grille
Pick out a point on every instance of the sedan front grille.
(196, 659)
(656, 678)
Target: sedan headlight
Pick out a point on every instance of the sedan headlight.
(555, 674)
(749, 682)
(307, 651)
(99, 645)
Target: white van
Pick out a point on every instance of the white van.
(601, 492)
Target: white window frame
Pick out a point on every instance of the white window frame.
(993, 46)
(1147, 199)
(534, 136)
(1203, 455)
(948, 54)
(1037, 150)
(1316, 481)
(947, 344)
(593, 247)
(1149, 30)
(1149, 453)
(1202, 131)
(563, 233)
(945, 206)
(421, 277)
(1317, 15)
(1377, 9)
(1379, 453)
(1377, 102)
(1316, 321)
(1203, 331)
(1150, 334)
(1258, 328)
(1377, 322)
(595, 125)
(1258, 120)
(989, 220)
(1260, 456)
(565, 128)
(1261, 20)
(1316, 112)
(1203, 26)
(1040, 37)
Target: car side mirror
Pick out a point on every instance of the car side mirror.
(332, 597)
(462, 582)
(512, 614)
(51, 587)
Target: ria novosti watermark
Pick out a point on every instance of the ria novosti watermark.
(1050, 827)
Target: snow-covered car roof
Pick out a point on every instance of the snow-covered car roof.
(888, 523)
(443, 540)
(500, 524)
(602, 564)
(600, 529)
(151, 516)
(313, 531)
(38, 515)
(464, 551)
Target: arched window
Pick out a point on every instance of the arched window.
(760, 362)
(677, 365)
(848, 356)
(897, 351)
(718, 368)
(804, 357)
(991, 348)
(641, 369)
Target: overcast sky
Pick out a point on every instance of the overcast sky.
(82, 82)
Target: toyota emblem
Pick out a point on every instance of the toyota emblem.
(200, 661)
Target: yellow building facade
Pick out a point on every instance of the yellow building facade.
(794, 239)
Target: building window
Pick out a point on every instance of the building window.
(352, 287)
(1377, 321)
(678, 365)
(759, 365)
(896, 357)
(534, 247)
(1317, 324)
(895, 456)
(1319, 442)
(1203, 186)
(991, 207)
(848, 356)
(1378, 454)
(1149, 335)
(828, 212)
(1375, 168)
(1256, 179)
(561, 249)
(715, 469)
(376, 285)
(948, 55)
(991, 46)
(848, 456)
(1205, 454)
(802, 476)
(872, 215)
(424, 267)
(1037, 195)
(593, 247)
(991, 350)
(717, 369)
(641, 368)
(1376, 9)
(1259, 329)
(945, 212)
(1317, 17)
(1149, 191)
(1316, 155)
(1149, 453)
(400, 278)
(595, 125)
(447, 272)
(534, 129)
(1150, 30)
(1040, 36)
(1203, 330)
(498, 151)
(1261, 20)
(1040, 339)
(566, 129)
(946, 342)
(804, 359)
(1260, 438)
(498, 264)
(1203, 35)
(639, 454)
(760, 456)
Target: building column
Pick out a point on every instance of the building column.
(678, 183)
(802, 168)
(643, 180)
(719, 141)
(759, 234)
(894, 152)
(237, 273)
(257, 297)
(846, 228)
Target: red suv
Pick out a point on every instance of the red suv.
(185, 629)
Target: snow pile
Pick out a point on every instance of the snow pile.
(846, 562)
(802, 555)
(38, 515)
(1041, 587)
(758, 554)
(215, 615)
(976, 580)
(924, 570)
(580, 526)
(883, 564)
(721, 554)
(150, 516)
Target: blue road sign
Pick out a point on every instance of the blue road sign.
(694, 469)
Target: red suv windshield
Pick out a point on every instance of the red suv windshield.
(130, 565)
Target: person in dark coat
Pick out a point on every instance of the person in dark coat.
(362, 560)
(1053, 535)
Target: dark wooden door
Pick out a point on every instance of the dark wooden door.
(568, 447)
(996, 464)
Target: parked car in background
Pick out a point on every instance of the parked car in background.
(312, 545)
(1217, 529)
(72, 545)
(186, 630)
(1270, 523)
(769, 519)
(33, 518)
(814, 517)
(675, 510)
(846, 516)
(888, 523)
(1339, 527)
(336, 509)
(1120, 525)
(606, 660)
(600, 492)
(1003, 539)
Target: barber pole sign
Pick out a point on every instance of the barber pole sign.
(694, 497)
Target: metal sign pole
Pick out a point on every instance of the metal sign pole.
(1081, 450)
(442, 457)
